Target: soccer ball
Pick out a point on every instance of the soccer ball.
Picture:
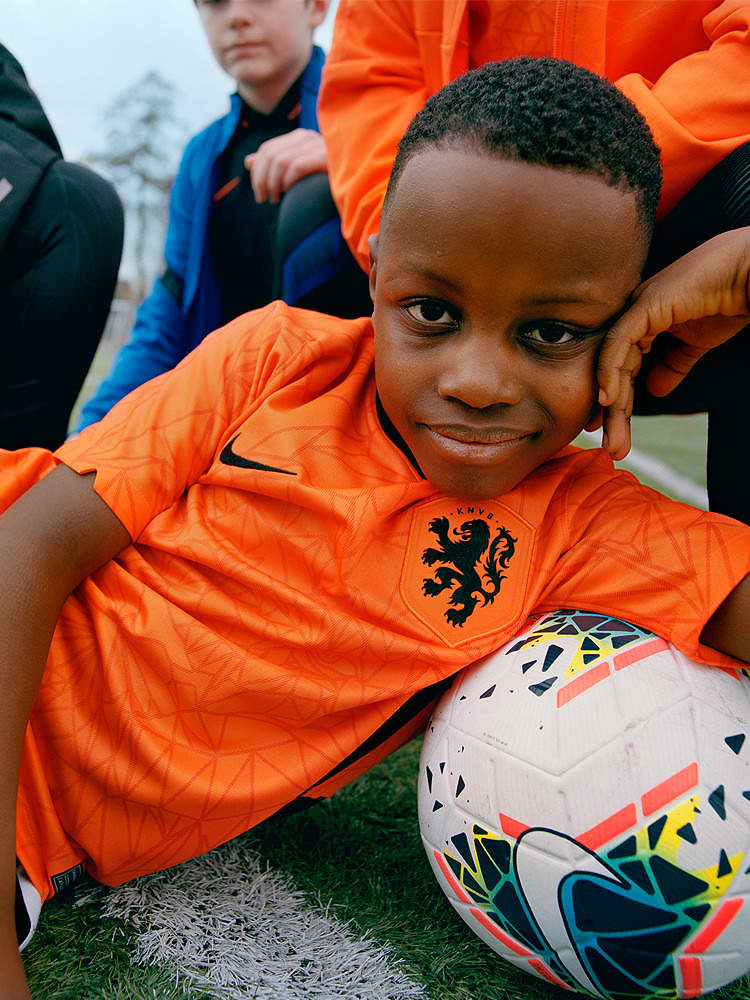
(584, 800)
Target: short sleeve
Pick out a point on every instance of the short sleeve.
(162, 437)
(661, 564)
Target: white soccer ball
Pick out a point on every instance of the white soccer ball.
(584, 800)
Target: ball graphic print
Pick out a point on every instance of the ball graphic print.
(584, 800)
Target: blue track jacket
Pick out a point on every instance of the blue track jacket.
(166, 329)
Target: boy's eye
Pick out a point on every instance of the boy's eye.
(551, 333)
(431, 312)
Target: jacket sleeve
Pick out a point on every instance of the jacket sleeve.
(158, 340)
(20, 106)
(373, 85)
(699, 108)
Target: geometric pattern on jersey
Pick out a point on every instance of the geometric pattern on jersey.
(258, 633)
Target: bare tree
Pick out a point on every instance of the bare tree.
(142, 146)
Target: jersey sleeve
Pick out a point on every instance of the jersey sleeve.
(698, 109)
(161, 438)
(373, 85)
(642, 557)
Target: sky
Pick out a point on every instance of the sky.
(81, 54)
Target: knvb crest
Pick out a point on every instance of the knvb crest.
(477, 558)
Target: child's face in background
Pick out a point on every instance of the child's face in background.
(493, 283)
(261, 43)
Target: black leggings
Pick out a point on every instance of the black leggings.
(717, 384)
(58, 269)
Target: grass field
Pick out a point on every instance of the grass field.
(357, 857)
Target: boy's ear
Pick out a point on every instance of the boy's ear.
(372, 243)
(317, 11)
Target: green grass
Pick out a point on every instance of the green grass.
(678, 441)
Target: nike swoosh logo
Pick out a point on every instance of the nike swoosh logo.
(230, 457)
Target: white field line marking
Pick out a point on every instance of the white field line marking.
(660, 472)
(226, 924)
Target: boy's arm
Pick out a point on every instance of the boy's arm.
(696, 303)
(373, 85)
(728, 629)
(159, 339)
(54, 536)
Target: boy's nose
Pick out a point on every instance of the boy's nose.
(241, 11)
(481, 373)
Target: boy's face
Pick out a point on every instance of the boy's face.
(263, 44)
(493, 283)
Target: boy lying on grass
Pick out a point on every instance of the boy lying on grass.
(248, 582)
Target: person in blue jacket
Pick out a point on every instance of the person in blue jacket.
(251, 217)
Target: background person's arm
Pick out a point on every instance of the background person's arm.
(698, 108)
(51, 538)
(373, 85)
(159, 338)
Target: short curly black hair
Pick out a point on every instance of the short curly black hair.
(543, 111)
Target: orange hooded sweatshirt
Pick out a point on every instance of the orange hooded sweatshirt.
(684, 63)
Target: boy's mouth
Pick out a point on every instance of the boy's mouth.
(477, 444)
(244, 48)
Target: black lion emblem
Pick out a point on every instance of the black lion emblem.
(463, 551)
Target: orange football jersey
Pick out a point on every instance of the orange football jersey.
(296, 594)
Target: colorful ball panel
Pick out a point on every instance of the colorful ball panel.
(584, 800)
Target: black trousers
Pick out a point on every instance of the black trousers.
(717, 384)
(58, 269)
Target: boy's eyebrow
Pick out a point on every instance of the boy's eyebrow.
(424, 270)
(553, 300)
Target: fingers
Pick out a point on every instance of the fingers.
(677, 352)
(696, 303)
(616, 435)
(281, 162)
(624, 344)
(675, 360)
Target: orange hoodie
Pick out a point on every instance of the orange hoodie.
(684, 63)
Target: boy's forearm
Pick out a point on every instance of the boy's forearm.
(28, 613)
(54, 536)
(728, 629)
(13, 984)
